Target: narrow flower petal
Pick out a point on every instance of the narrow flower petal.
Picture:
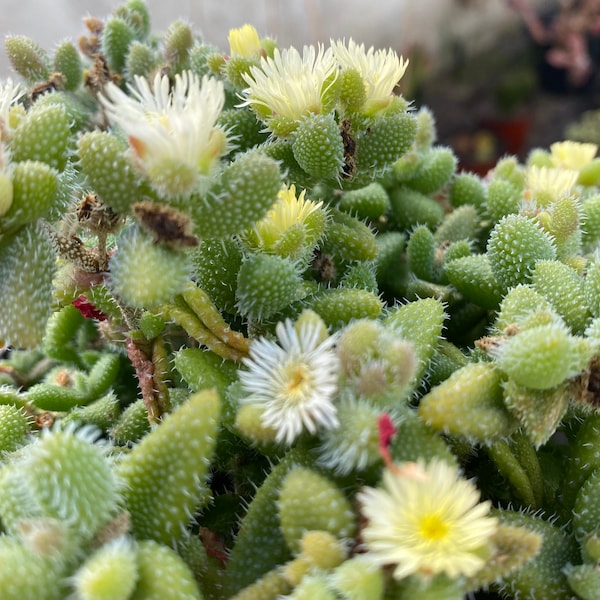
(295, 381)
(426, 520)
(172, 132)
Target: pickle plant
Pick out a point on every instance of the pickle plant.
(263, 339)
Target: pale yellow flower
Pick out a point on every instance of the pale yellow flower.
(426, 519)
(290, 211)
(380, 70)
(10, 93)
(172, 131)
(244, 41)
(295, 380)
(572, 155)
(545, 185)
(289, 86)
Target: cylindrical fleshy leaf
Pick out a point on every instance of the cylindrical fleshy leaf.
(563, 287)
(34, 189)
(109, 573)
(369, 202)
(27, 264)
(117, 36)
(338, 306)
(215, 268)
(435, 171)
(543, 576)
(467, 188)
(145, 274)
(163, 575)
(14, 426)
(43, 135)
(385, 140)
(308, 501)
(544, 356)
(67, 61)
(165, 474)
(27, 58)
(421, 323)
(247, 190)
(104, 160)
(411, 208)
(515, 245)
(26, 575)
(469, 404)
(266, 284)
(318, 146)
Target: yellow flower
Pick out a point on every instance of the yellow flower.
(572, 155)
(290, 212)
(426, 520)
(289, 86)
(245, 42)
(172, 131)
(380, 71)
(545, 185)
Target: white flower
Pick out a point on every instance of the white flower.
(9, 94)
(172, 132)
(295, 381)
(290, 86)
(426, 520)
(380, 71)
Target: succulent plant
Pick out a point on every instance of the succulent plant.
(262, 339)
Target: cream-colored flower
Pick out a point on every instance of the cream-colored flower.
(172, 131)
(288, 212)
(380, 71)
(295, 380)
(572, 155)
(244, 41)
(10, 93)
(425, 520)
(545, 185)
(289, 86)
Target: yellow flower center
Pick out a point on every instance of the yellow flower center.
(298, 380)
(433, 528)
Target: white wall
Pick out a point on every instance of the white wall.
(384, 23)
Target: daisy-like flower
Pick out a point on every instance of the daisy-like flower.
(9, 94)
(290, 212)
(295, 380)
(289, 86)
(244, 41)
(172, 132)
(545, 185)
(426, 520)
(572, 155)
(380, 71)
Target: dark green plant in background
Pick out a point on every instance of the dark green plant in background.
(262, 339)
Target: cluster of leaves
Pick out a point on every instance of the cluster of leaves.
(467, 312)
